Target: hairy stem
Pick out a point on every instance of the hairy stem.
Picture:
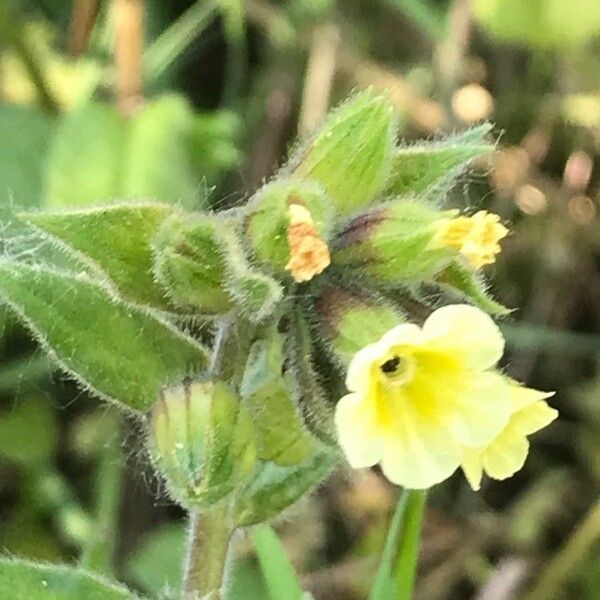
(209, 543)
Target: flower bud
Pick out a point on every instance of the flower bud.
(202, 440)
(394, 242)
(351, 155)
(352, 320)
(189, 263)
(287, 226)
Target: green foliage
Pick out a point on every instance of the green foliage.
(268, 218)
(431, 168)
(24, 138)
(122, 352)
(281, 435)
(203, 442)
(275, 488)
(117, 239)
(155, 154)
(29, 432)
(280, 576)
(540, 23)
(351, 155)
(23, 579)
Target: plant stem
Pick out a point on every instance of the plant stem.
(410, 543)
(210, 539)
(401, 548)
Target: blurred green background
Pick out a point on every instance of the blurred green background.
(189, 102)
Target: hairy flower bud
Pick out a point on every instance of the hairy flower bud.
(202, 440)
(287, 225)
(351, 155)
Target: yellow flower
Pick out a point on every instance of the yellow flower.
(419, 395)
(309, 254)
(506, 454)
(474, 237)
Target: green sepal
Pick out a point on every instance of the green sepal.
(281, 435)
(432, 167)
(119, 351)
(351, 154)
(268, 218)
(116, 240)
(274, 488)
(350, 320)
(189, 263)
(317, 411)
(459, 279)
(202, 440)
(393, 243)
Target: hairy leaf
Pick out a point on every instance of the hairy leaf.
(117, 239)
(121, 352)
(24, 579)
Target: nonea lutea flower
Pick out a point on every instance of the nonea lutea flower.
(476, 238)
(507, 452)
(309, 254)
(420, 395)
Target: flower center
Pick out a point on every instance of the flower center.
(397, 370)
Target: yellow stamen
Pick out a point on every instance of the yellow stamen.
(475, 237)
(309, 254)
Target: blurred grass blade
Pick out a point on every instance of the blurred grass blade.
(396, 573)
(279, 573)
(170, 44)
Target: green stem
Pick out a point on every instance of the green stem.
(410, 543)
(98, 555)
(210, 539)
(401, 549)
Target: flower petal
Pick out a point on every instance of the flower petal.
(420, 455)
(357, 435)
(522, 396)
(481, 412)
(359, 372)
(506, 454)
(532, 418)
(472, 466)
(467, 332)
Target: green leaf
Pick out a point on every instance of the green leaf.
(155, 564)
(120, 352)
(24, 139)
(157, 161)
(434, 166)
(117, 239)
(85, 161)
(275, 488)
(24, 579)
(282, 581)
(461, 280)
(28, 433)
(350, 156)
